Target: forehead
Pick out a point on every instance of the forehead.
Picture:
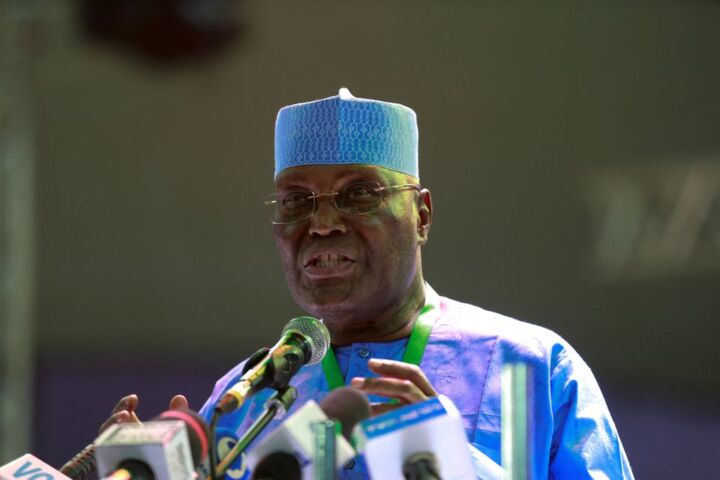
(331, 176)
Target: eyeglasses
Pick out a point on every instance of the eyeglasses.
(356, 199)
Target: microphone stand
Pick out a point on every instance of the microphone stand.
(280, 401)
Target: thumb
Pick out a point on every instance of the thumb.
(179, 402)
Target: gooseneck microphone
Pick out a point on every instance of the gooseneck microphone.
(304, 341)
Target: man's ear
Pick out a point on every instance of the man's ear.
(425, 210)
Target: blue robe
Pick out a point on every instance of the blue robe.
(572, 433)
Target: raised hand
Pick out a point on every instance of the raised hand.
(403, 382)
(124, 411)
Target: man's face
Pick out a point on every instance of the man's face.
(352, 269)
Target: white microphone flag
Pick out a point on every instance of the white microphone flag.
(29, 467)
(434, 426)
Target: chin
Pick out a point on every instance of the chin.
(326, 307)
(330, 297)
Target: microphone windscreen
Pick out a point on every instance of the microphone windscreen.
(315, 331)
(197, 429)
(278, 466)
(347, 405)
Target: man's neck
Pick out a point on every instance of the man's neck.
(392, 325)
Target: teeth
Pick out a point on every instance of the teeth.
(329, 260)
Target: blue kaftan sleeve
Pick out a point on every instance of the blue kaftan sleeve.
(585, 443)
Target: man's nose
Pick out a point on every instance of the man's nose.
(327, 220)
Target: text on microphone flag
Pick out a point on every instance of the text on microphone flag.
(29, 467)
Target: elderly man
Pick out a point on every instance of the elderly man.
(349, 220)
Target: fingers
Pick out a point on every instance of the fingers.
(380, 408)
(179, 402)
(124, 412)
(400, 381)
(403, 390)
(129, 403)
(405, 371)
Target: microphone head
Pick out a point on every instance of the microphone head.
(197, 429)
(315, 332)
(421, 466)
(278, 466)
(347, 405)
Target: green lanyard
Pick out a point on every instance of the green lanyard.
(413, 353)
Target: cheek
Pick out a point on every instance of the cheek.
(391, 241)
(285, 232)
(286, 243)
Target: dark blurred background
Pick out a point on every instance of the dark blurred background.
(573, 150)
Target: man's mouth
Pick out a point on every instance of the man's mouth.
(328, 260)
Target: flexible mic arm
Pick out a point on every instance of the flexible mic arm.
(279, 402)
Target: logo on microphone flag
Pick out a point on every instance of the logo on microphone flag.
(225, 440)
(403, 418)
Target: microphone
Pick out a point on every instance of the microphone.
(131, 469)
(421, 466)
(345, 407)
(83, 464)
(31, 467)
(304, 341)
(348, 406)
(421, 441)
(171, 446)
(294, 437)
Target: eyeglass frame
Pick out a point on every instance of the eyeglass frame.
(333, 194)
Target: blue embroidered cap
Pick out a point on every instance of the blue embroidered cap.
(347, 130)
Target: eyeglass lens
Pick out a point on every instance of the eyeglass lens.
(356, 198)
(290, 207)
